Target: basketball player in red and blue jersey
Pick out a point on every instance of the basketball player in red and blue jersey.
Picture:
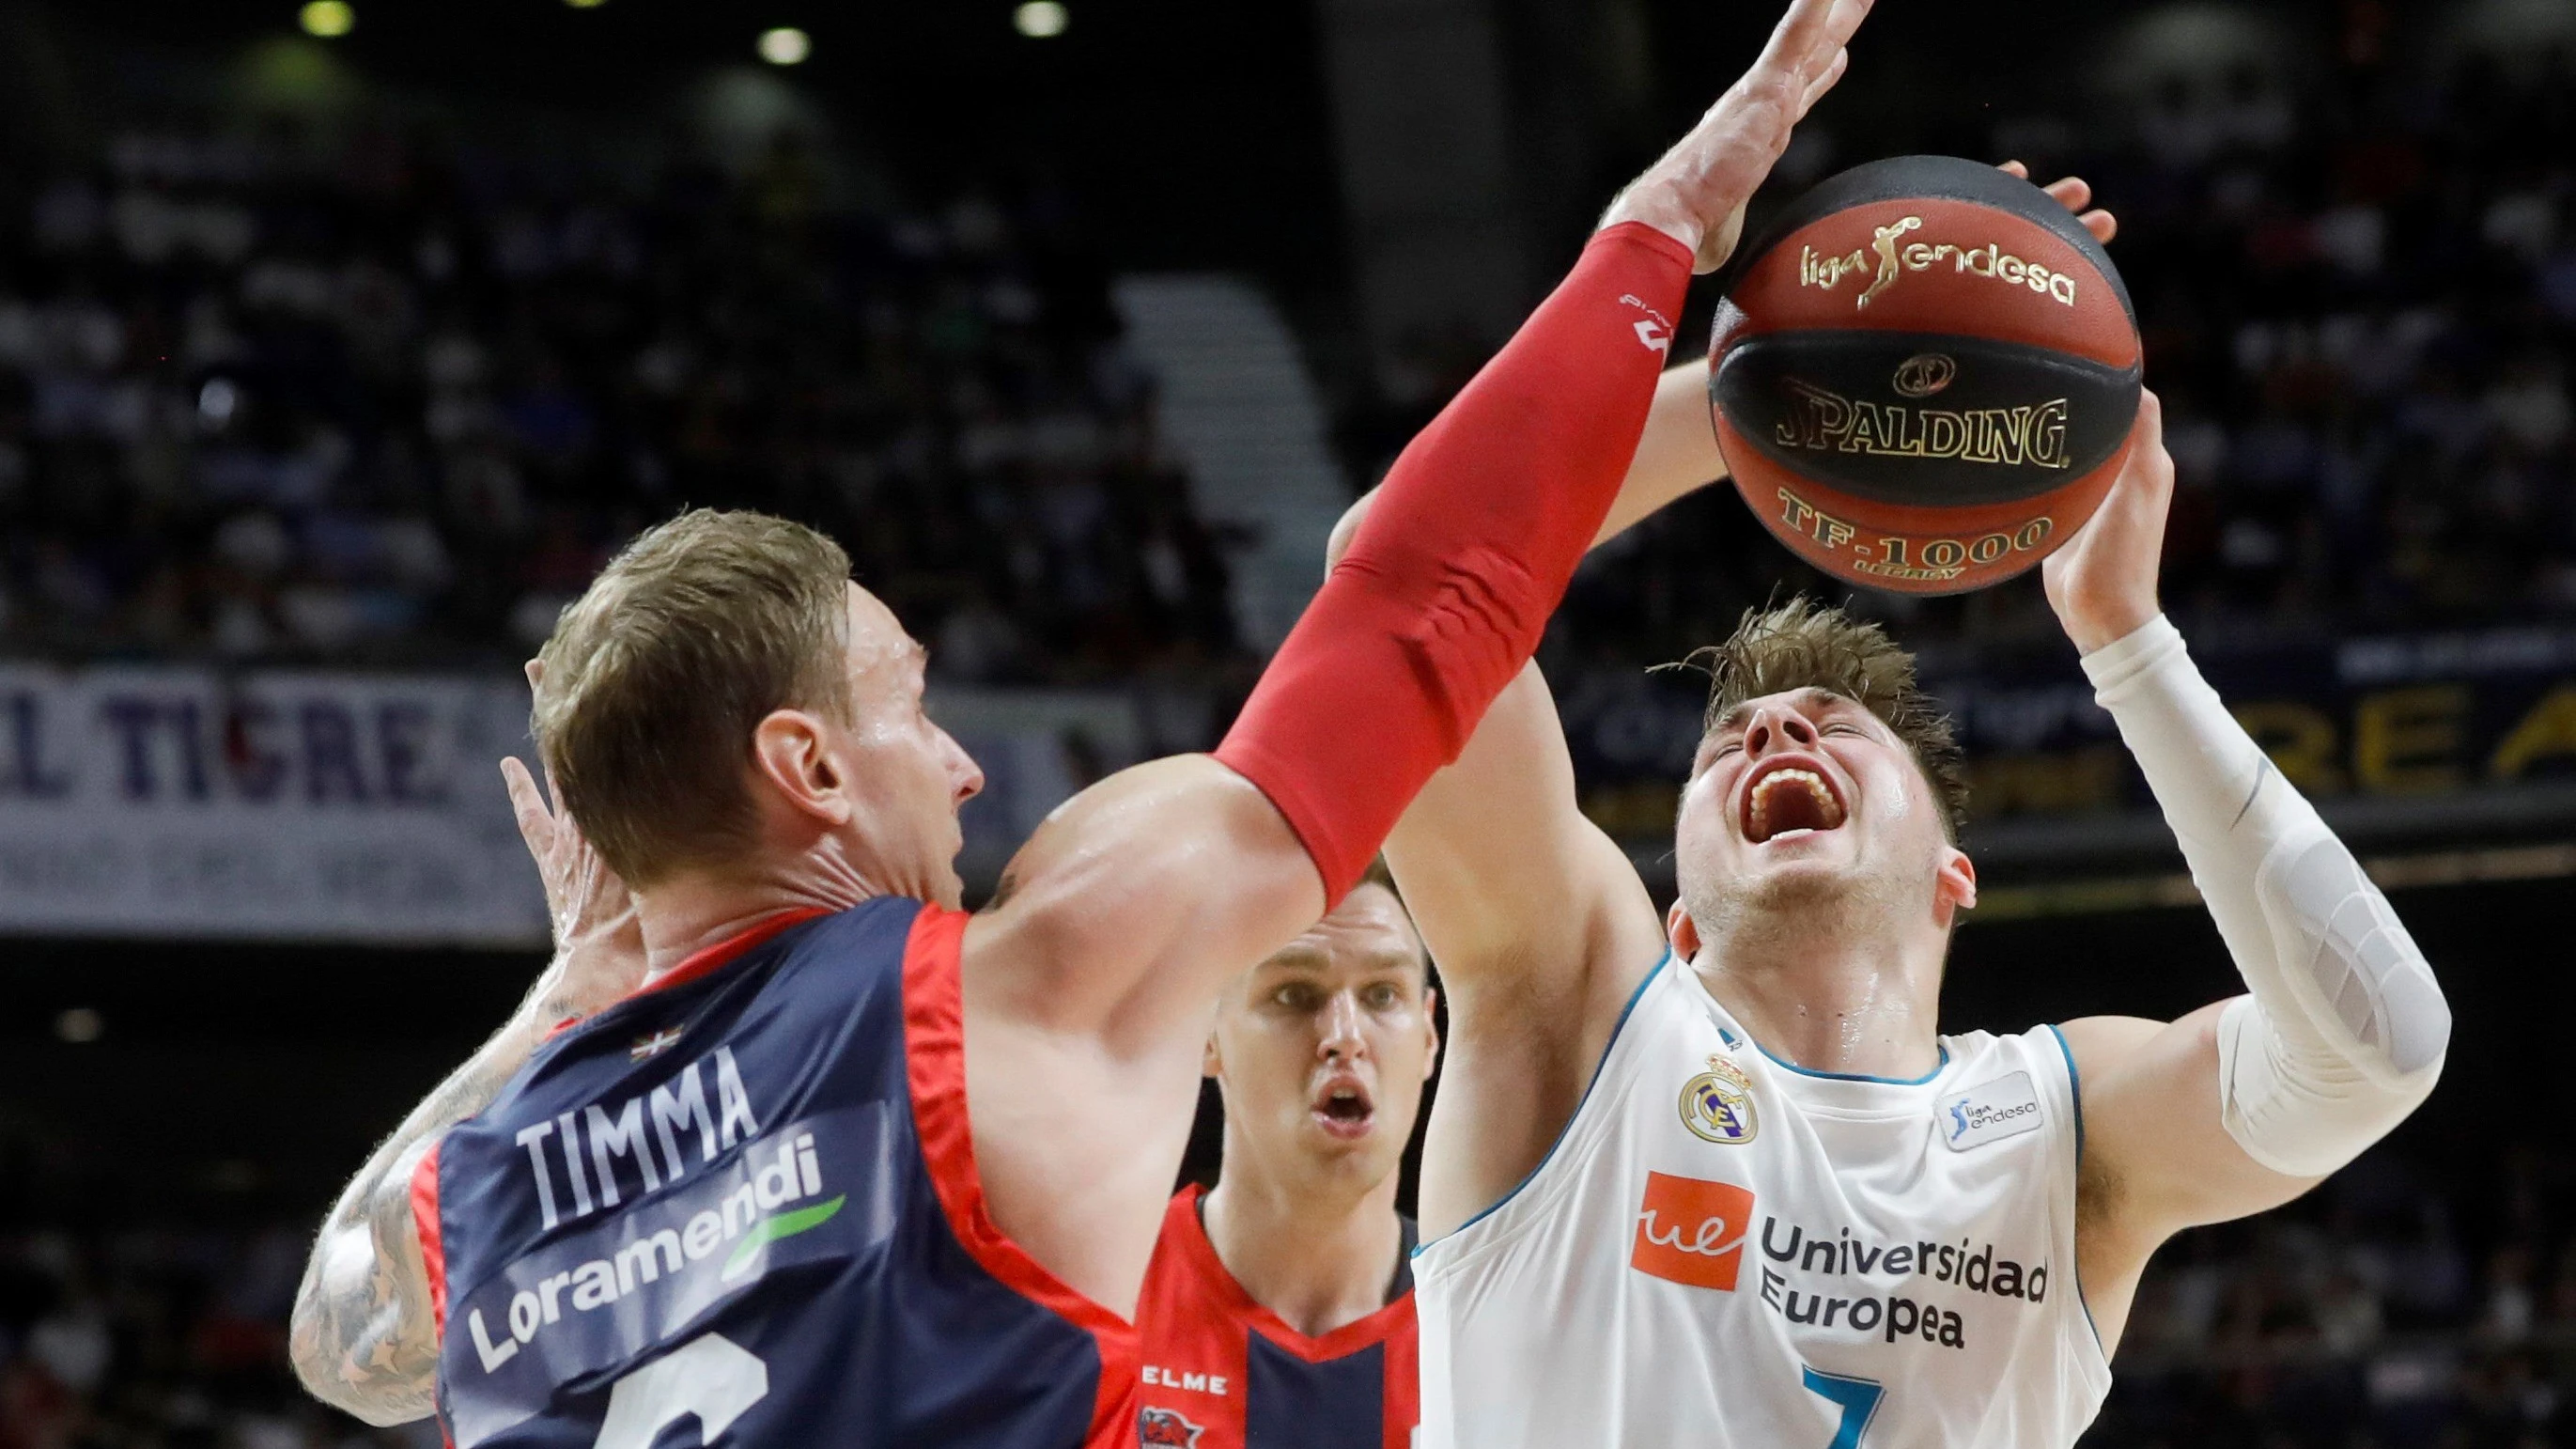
(840, 1162)
(1279, 1308)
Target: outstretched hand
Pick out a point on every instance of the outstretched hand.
(599, 940)
(2103, 582)
(1696, 192)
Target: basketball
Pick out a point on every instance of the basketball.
(1924, 375)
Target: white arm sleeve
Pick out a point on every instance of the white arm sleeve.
(2345, 1030)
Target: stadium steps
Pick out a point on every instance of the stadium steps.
(1240, 411)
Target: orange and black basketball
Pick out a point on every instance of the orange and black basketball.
(1924, 376)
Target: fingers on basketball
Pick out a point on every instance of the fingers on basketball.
(2155, 465)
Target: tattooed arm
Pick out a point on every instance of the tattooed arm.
(363, 1339)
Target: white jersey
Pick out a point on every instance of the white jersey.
(1727, 1251)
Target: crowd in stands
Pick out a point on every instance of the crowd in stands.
(393, 400)
(2359, 308)
(2368, 1315)
(171, 1337)
(2391, 1310)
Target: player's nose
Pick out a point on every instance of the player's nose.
(1342, 1034)
(1778, 727)
(965, 777)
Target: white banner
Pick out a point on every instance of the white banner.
(179, 802)
(280, 806)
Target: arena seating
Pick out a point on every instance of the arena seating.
(2361, 315)
(395, 403)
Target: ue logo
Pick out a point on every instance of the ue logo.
(1691, 1231)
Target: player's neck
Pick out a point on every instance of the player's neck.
(689, 912)
(1860, 1005)
(1317, 1254)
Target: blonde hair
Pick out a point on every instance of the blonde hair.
(656, 676)
(1804, 645)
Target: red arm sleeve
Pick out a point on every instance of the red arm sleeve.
(1469, 546)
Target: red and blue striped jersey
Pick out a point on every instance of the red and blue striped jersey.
(1222, 1372)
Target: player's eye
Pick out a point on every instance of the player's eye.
(1296, 996)
(1382, 997)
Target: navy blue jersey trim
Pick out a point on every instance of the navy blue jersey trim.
(2075, 1091)
(1622, 1025)
(1937, 1068)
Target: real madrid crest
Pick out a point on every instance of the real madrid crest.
(1717, 1105)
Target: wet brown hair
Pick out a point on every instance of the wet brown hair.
(656, 676)
(1805, 645)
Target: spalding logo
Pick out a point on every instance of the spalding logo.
(1924, 374)
(1164, 1429)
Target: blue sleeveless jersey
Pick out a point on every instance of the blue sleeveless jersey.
(740, 1208)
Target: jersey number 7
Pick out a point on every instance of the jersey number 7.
(1857, 1398)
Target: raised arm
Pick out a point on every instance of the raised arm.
(1499, 864)
(2245, 1103)
(362, 1336)
(1129, 910)
(1536, 917)
(1440, 599)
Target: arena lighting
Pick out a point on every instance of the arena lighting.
(80, 1026)
(585, 4)
(328, 19)
(1041, 19)
(216, 402)
(786, 45)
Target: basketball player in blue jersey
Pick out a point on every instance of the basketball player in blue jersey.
(1718, 1176)
(1279, 1309)
(849, 1165)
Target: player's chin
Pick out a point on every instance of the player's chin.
(1793, 870)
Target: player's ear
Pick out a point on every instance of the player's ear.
(1210, 1065)
(789, 754)
(1954, 885)
(1682, 931)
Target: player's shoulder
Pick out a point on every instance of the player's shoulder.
(1972, 1055)
(701, 1006)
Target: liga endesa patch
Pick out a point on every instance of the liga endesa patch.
(2008, 1106)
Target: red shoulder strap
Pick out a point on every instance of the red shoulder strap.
(934, 1033)
(424, 1221)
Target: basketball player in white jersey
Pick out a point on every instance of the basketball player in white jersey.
(1717, 1178)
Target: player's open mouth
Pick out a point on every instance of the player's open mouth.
(1784, 798)
(1343, 1108)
